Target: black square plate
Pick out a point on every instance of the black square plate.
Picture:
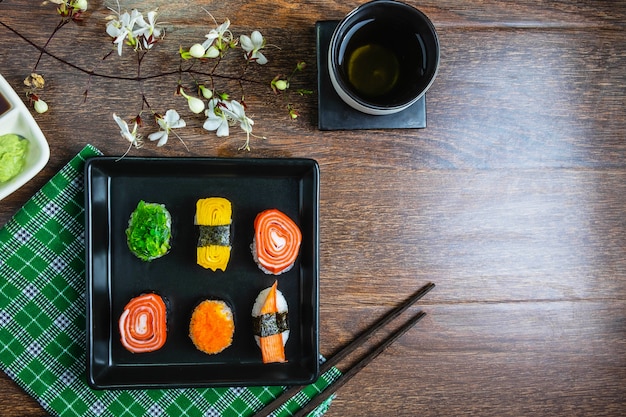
(114, 275)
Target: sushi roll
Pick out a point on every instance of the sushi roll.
(271, 324)
(149, 231)
(276, 242)
(212, 326)
(214, 217)
(143, 324)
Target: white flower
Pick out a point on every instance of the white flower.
(122, 29)
(221, 113)
(236, 112)
(217, 41)
(132, 137)
(147, 31)
(216, 118)
(114, 28)
(252, 45)
(170, 121)
(131, 28)
(221, 33)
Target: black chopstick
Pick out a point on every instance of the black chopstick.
(382, 322)
(350, 347)
(321, 397)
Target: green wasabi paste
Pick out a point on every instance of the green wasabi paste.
(13, 149)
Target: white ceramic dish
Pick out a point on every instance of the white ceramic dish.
(17, 119)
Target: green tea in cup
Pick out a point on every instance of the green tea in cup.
(383, 56)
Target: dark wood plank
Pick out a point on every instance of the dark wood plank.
(14, 402)
(510, 359)
(496, 108)
(479, 235)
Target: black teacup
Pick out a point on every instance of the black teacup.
(383, 57)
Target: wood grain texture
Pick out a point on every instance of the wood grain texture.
(511, 200)
(556, 358)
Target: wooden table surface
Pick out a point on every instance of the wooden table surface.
(512, 200)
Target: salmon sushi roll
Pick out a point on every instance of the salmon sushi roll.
(212, 326)
(143, 324)
(276, 242)
(271, 324)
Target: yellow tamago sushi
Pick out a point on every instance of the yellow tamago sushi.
(214, 218)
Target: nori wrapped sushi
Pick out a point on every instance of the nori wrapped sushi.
(214, 218)
(271, 324)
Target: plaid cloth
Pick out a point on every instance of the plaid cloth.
(42, 320)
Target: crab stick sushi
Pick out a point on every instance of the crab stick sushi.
(271, 324)
(276, 242)
(214, 217)
(212, 326)
(143, 324)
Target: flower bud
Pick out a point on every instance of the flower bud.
(80, 5)
(212, 52)
(197, 51)
(195, 104)
(301, 65)
(41, 106)
(281, 85)
(206, 93)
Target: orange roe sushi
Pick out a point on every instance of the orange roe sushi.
(143, 324)
(212, 326)
(276, 242)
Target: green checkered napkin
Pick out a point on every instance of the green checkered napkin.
(42, 320)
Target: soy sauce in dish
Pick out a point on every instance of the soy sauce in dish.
(4, 105)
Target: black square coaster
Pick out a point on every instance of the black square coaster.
(334, 114)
